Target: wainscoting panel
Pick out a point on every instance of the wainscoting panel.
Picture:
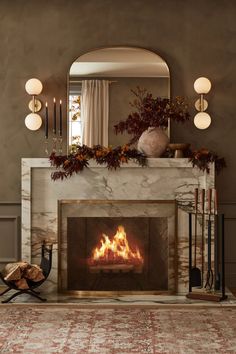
(10, 232)
(229, 209)
(9, 245)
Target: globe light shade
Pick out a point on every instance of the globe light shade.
(202, 120)
(202, 85)
(33, 121)
(33, 87)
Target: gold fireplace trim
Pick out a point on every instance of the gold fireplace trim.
(92, 293)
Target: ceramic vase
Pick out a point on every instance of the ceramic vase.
(153, 142)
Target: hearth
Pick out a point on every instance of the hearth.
(117, 246)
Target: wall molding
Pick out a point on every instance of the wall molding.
(2, 202)
(16, 221)
(10, 214)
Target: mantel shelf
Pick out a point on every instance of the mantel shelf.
(151, 163)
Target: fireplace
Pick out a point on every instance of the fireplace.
(162, 180)
(117, 246)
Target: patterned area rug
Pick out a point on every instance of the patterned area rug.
(72, 329)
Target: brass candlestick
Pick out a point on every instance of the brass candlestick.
(54, 144)
(60, 140)
(46, 146)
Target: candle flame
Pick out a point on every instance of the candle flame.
(46, 104)
(54, 100)
(60, 101)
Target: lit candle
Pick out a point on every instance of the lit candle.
(54, 117)
(60, 125)
(46, 122)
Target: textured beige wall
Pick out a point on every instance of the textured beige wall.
(42, 38)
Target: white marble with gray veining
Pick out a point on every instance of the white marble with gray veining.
(162, 179)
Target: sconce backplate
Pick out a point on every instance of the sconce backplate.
(35, 105)
(198, 105)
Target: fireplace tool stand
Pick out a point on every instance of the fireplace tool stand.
(46, 264)
(214, 283)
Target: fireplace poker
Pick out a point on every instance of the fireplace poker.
(203, 231)
(216, 243)
(195, 272)
(209, 279)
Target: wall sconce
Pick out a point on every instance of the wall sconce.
(202, 120)
(34, 87)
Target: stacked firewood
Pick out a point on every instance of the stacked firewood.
(20, 272)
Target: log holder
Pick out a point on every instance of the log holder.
(46, 264)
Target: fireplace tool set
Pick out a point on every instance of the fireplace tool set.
(208, 284)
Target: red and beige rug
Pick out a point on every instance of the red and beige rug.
(121, 330)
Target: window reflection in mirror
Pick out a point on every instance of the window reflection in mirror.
(99, 91)
(74, 116)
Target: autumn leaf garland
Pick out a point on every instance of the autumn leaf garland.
(113, 158)
(74, 163)
(203, 157)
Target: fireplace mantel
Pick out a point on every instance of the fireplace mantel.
(162, 179)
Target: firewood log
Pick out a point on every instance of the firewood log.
(34, 273)
(23, 265)
(12, 272)
(22, 284)
(21, 270)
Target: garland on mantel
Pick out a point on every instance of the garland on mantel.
(67, 165)
(203, 157)
(77, 161)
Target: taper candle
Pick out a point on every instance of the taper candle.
(60, 122)
(54, 117)
(46, 121)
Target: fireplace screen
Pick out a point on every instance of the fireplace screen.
(117, 253)
(117, 245)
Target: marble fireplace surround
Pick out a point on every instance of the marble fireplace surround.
(163, 179)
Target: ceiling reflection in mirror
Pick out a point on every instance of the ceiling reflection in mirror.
(99, 91)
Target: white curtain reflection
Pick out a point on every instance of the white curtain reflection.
(95, 112)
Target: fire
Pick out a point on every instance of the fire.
(115, 251)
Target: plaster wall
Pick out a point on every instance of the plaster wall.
(42, 39)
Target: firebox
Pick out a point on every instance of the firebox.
(117, 246)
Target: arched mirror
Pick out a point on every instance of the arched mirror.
(99, 91)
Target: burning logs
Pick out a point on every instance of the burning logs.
(113, 268)
(20, 272)
(115, 255)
